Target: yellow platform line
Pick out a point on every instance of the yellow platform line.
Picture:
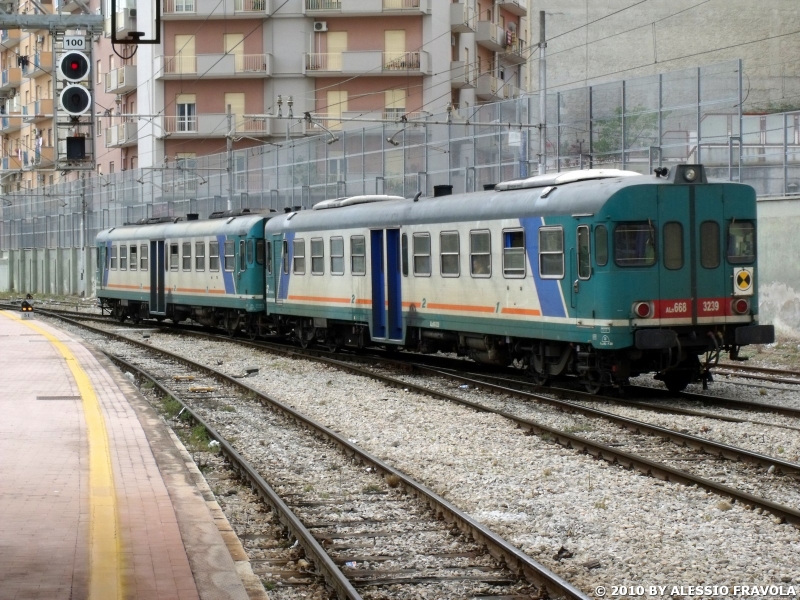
(105, 556)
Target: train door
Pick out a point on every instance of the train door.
(158, 300)
(709, 262)
(674, 256)
(387, 304)
(582, 300)
(280, 268)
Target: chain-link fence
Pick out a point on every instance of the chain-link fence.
(692, 115)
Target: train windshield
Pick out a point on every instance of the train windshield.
(741, 242)
(635, 244)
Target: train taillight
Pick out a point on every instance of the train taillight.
(740, 306)
(643, 310)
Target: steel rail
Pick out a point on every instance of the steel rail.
(497, 546)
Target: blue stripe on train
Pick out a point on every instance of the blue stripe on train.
(227, 276)
(548, 290)
(283, 290)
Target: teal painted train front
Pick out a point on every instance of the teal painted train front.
(601, 274)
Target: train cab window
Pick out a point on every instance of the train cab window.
(404, 253)
(123, 258)
(601, 245)
(741, 242)
(230, 255)
(113, 258)
(213, 256)
(268, 257)
(173, 257)
(133, 260)
(299, 251)
(199, 256)
(187, 256)
(285, 255)
(242, 256)
(421, 245)
(514, 254)
(358, 255)
(337, 256)
(317, 256)
(551, 252)
(250, 251)
(584, 253)
(450, 251)
(143, 257)
(709, 244)
(260, 252)
(673, 245)
(480, 253)
(635, 244)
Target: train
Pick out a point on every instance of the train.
(597, 274)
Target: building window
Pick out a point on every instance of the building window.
(449, 249)
(213, 256)
(230, 255)
(186, 113)
(421, 245)
(514, 254)
(358, 255)
(337, 256)
(200, 256)
(299, 262)
(480, 253)
(187, 256)
(551, 253)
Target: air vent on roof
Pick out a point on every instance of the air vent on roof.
(562, 178)
(340, 202)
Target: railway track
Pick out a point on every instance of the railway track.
(642, 455)
(416, 537)
(758, 373)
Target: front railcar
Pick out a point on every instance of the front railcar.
(683, 273)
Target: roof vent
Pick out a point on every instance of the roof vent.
(563, 178)
(341, 202)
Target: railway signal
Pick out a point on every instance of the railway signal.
(73, 68)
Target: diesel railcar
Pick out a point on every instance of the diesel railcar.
(601, 274)
(211, 271)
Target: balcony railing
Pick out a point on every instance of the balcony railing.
(121, 134)
(401, 61)
(218, 65)
(179, 6)
(462, 18)
(180, 64)
(323, 4)
(400, 4)
(326, 61)
(121, 80)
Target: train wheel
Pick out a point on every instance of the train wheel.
(592, 383)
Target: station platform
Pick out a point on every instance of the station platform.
(99, 500)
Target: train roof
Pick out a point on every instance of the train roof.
(234, 225)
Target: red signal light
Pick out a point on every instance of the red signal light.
(643, 310)
(741, 306)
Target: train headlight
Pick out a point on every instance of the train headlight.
(740, 306)
(690, 174)
(643, 310)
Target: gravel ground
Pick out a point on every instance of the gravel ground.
(540, 496)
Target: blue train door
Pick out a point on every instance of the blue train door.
(387, 303)
(158, 301)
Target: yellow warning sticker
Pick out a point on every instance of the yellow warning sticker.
(743, 281)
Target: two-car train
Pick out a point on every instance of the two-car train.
(601, 274)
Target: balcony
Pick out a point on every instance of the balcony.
(462, 18)
(363, 8)
(122, 135)
(38, 158)
(212, 125)
(126, 23)
(12, 163)
(516, 53)
(461, 75)
(9, 123)
(121, 80)
(37, 65)
(491, 36)
(371, 63)
(215, 66)
(11, 78)
(515, 7)
(179, 10)
(41, 110)
(10, 38)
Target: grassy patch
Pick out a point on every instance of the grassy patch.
(171, 406)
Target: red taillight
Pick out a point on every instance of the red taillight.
(643, 310)
(740, 306)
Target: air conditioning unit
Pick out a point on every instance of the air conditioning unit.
(320, 26)
(133, 13)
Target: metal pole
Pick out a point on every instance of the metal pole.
(542, 98)
(229, 146)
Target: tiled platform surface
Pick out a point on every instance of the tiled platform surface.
(170, 545)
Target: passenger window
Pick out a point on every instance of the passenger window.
(673, 245)
(601, 245)
(584, 253)
(200, 256)
(173, 257)
(213, 256)
(709, 244)
(337, 256)
(299, 248)
(143, 257)
(741, 242)
(268, 257)
(450, 253)
(242, 262)
(551, 253)
(480, 253)
(250, 251)
(187, 256)
(260, 252)
(317, 256)
(285, 255)
(635, 244)
(123, 258)
(133, 259)
(422, 254)
(230, 255)
(514, 254)
(358, 255)
(113, 258)
(404, 253)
